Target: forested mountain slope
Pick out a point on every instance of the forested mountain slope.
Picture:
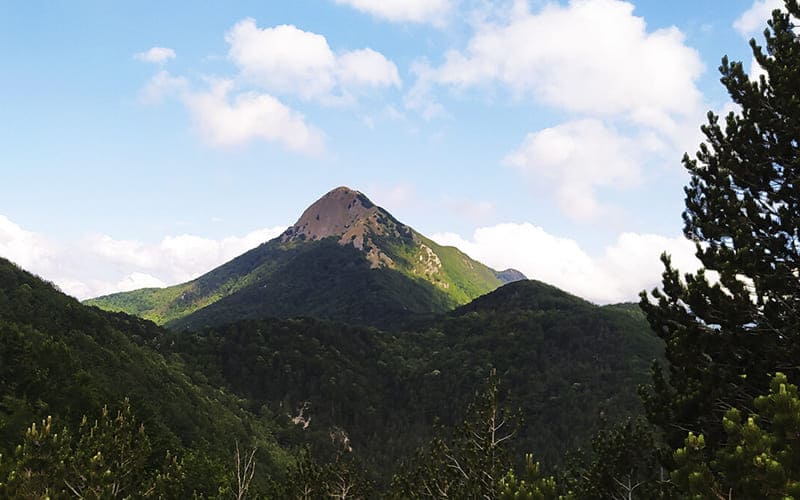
(61, 358)
(564, 362)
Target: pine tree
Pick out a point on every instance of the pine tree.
(761, 456)
(724, 338)
(475, 462)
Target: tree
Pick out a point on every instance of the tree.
(107, 458)
(38, 467)
(532, 484)
(761, 456)
(245, 470)
(342, 478)
(624, 465)
(725, 338)
(471, 464)
(110, 457)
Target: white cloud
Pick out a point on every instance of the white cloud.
(100, 264)
(630, 93)
(579, 157)
(25, 248)
(365, 67)
(272, 62)
(591, 56)
(162, 85)
(285, 59)
(631, 264)
(417, 11)
(176, 258)
(135, 281)
(249, 116)
(156, 55)
(754, 19)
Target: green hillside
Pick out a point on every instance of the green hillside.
(67, 360)
(325, 280)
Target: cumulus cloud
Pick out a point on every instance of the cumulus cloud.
(226, 118)
(285, 59)
(278, 61)
(156, 55)
(579, 157)
(250, 115)
(366, 67)
(754, 19)
(630, 93)
(618, 274)
(25, 248)
(590, 56)
(416, 11)
(135, 281)
(100, 264)
(176, 258)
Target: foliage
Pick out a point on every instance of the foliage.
(472, 463)
(532, 484)
(342, 478)
(724, 338)
(567, 362)
(624, 463)
(760, 457)
(38, 466)
(106, 459)
(325, 280)
(60, 358)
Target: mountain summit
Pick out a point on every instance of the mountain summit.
(345, 258)
(351, 217)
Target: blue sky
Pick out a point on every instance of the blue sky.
(144, 143)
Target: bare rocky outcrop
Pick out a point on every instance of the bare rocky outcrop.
(351, 217)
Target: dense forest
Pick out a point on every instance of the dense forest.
(524, 392)
(289, 387)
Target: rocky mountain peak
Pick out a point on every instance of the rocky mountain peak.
(351, 217)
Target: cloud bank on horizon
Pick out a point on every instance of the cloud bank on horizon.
(100, 264)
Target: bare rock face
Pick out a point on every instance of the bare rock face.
(351, 217)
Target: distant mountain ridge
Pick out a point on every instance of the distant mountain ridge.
(345, 258)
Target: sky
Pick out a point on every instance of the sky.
(144, 143)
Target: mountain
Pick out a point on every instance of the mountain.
(510, 276)
(62, 359)
(345, 259)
